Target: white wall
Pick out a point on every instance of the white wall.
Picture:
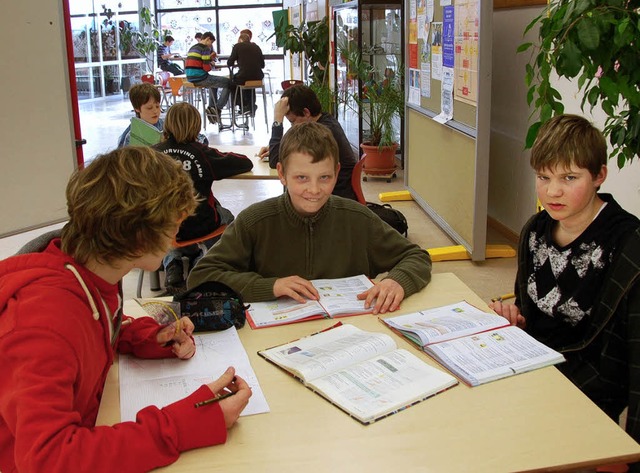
(511, 181)
(36, 128)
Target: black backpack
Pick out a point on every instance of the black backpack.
(393, 217)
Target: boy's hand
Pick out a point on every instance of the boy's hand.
(181, 340)
(295, 287)
(511, 312)
(233, 405)
(387, 295)
(281, 109)
(264, 152)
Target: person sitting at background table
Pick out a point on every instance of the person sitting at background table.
(204, 165)
(145, 99)
(164, 54)
(61, 323)
(300, 104)
(578, 282)
(197, 67)
(250, 61)
(275, 247)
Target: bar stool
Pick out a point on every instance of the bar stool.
(251, 85)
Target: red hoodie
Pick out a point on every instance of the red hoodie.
(55, 352)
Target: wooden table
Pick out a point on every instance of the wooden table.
(261, 169)
(530, 422)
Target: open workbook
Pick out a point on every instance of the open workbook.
(363, 373)
(338, 298)
(476, 346)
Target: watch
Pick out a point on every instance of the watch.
(276, 123)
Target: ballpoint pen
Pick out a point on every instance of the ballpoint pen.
(213, 399)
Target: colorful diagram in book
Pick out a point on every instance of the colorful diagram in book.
(338, 298)
(477, 347)
(362, 373)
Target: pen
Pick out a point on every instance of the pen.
(213, 399)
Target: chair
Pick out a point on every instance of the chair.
(356, 181)
(148, 78)
(251, 85)
(163, 87)
(290, 83)
(154, 277)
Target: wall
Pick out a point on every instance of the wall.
(511, 182)
(36, 129)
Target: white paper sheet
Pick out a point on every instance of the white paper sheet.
(161, 382)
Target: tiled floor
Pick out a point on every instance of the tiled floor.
(103, 121)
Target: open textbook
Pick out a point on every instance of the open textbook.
(338, 298)
(363, 373)
(476, 346)
(143, 134)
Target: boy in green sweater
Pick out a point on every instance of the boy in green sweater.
(275, 247)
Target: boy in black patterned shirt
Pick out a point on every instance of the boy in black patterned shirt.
(578, 282)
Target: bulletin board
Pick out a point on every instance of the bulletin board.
(447, 120)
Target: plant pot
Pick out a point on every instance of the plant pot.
(379, 161)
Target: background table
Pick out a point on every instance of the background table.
(534, 421)
(261, 169)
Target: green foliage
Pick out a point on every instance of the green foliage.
(597, 42)
(144, 41)
(311, 39)
(382, 99)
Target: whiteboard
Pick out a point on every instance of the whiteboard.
(36, 129)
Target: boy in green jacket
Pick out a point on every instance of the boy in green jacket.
(275, 247)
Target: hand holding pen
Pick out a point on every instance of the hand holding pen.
(231, 392)
(179, 335)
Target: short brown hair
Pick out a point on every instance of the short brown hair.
(140, 94)
(301, 97)
(309, 138)
(124, 204)
(247, 32)
(183, 122)
(569, 139)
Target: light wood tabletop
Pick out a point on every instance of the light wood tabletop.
(531, 422)
(261, 169)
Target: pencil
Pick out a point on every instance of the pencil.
(503, 297)
(213, 399)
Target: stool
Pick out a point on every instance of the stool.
(205, 113)
(252, 85)
(155, 275)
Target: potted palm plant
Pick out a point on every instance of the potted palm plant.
(381, 105)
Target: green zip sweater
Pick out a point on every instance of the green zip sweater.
(270, 240)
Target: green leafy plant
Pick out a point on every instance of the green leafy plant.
(597, 42)
(312, 39)
(381, 102)
(144, 41)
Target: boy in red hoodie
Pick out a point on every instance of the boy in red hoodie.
(61, 323)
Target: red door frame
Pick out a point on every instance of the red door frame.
(75, 109)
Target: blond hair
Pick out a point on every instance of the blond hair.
(309, 138)
(183, 122)
(569, 139)
(124, 204)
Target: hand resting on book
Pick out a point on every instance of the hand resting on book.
(384, 296)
